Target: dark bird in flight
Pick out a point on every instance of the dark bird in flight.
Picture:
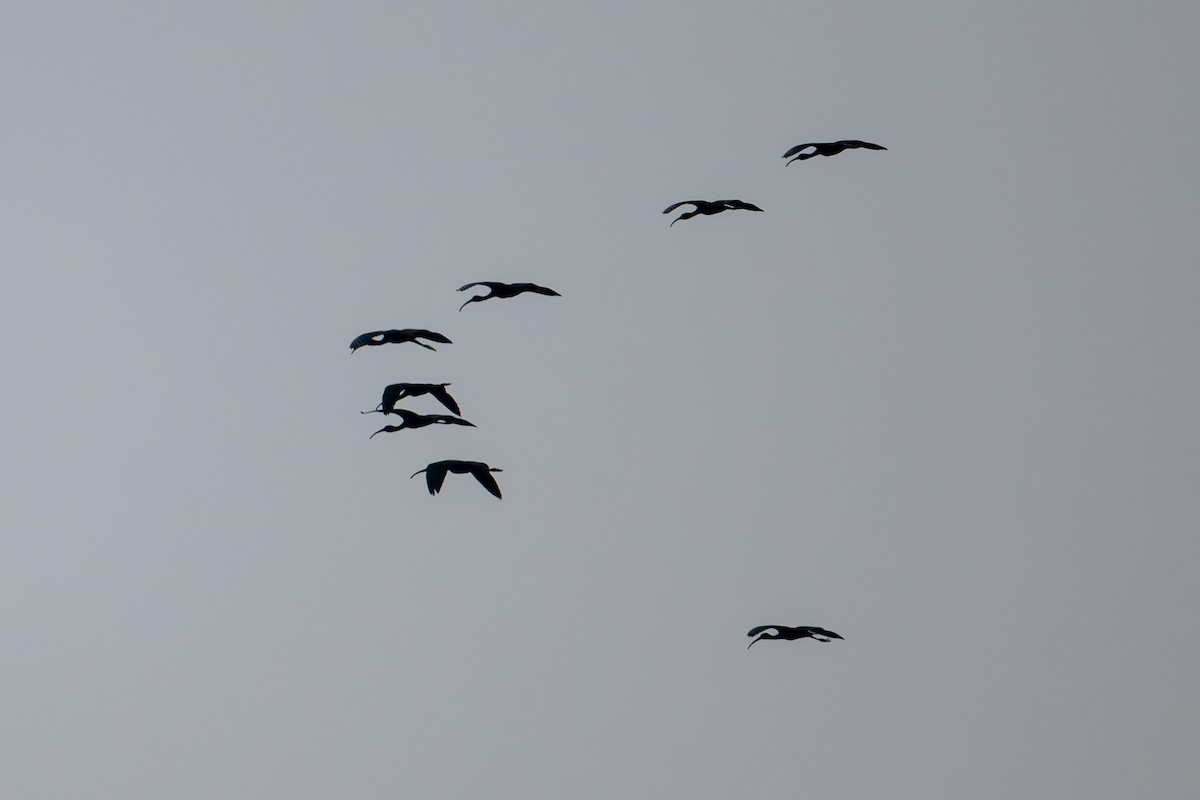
(505, 290)
(411, 419)
(435, 474)
(709, 207)
(784, 632)
(828, 149)
(376, 338)
(392, 394)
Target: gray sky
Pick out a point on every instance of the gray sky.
(940, 399)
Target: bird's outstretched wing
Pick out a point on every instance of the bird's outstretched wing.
(671, 208)
(489, 284)
(433, 336)
(435, 476)
(798, 148)
(446, 419)
(440, 394)
(823, 632)
(762, 628)
(366, 339)
(485, 478)
(533, 287)
(852, 143)
(739, 204)
(391, 395)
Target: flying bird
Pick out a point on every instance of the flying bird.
(784, 632)
(435, 474)
(411, 419)
(376, 338)
(505, 290)
(709, 207)
(828, 149)
(393, 393)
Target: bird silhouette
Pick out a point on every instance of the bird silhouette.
(376, 338)
(709, 207)
(393, 393)
(411, 419)
(828, 149)
(784, 632)
(435, 474)
(504, 290)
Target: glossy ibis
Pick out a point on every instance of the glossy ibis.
(828, 149)
(395, 392)
(504, 290)
(789, 634)
(435, 474)
(411, 419)
(376, 338)
(709, 207)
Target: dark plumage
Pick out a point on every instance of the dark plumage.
(395, 392)
(784, 632)
(411, 419)
(376, 338)
(505, 290)
(709, 207)
(828, 149)
(435, 474)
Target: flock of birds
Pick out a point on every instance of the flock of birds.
(435, 473)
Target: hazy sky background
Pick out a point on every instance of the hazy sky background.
(940, 399)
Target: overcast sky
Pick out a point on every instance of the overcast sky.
(941, 399)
